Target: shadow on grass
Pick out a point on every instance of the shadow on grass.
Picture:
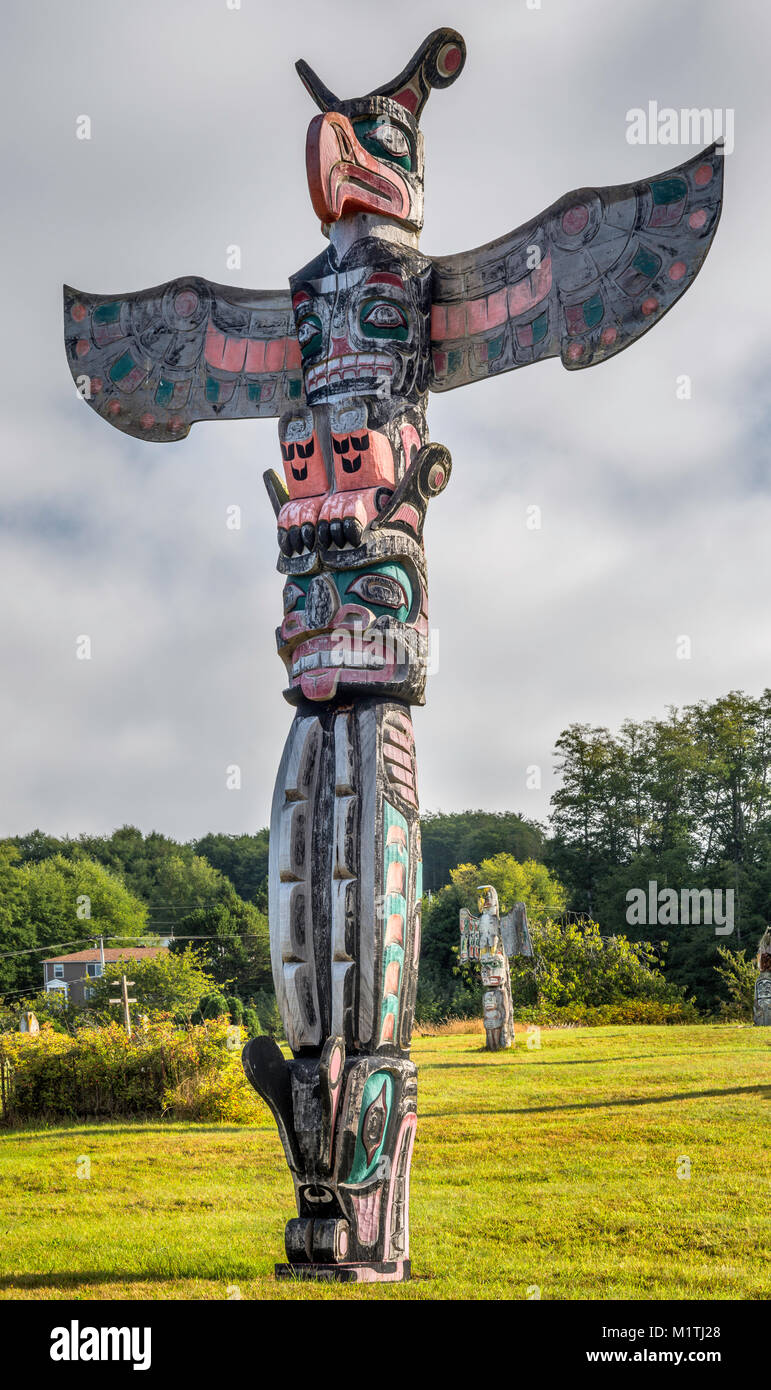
(760, 1090)
(29, 1132)
(68, 1279)
(507, 1053)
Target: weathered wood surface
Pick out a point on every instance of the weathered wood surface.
(761, 1010)
(345, 359)
(490, 939)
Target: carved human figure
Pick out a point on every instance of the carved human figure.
(344, 359)
(761, 1012)
(490, 940)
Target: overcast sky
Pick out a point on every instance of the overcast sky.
(656, 512)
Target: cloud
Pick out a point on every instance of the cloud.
(655, 511)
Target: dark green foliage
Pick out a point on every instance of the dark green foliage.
(61, 903)
(268, 1014)
(235, 1009)
(172, 983)
(251, 1022)
(738, 975)
(468, 837)
(243, 859)
(682, 801)
(213, 1005)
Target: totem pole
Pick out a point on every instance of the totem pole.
(491, 939)
(761, 1009)
(345, 359)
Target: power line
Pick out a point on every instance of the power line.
(53, 946)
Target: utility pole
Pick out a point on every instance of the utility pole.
(125, 1001)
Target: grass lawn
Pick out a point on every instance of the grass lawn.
(554, 1167)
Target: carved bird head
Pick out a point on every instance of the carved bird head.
(366, 155)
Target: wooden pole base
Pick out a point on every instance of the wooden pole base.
(362, 1272)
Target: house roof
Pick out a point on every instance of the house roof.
(111, 953)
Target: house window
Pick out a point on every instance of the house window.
(58, 971)
(94, 968)
(89, 993)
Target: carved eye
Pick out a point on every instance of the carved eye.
(383, 318)
(309, 334)
(292, 592)
(379, 588)
(385, 140)
(392, 139)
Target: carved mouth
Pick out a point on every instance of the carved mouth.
(340, 373)
(348, 181)
(321, 663)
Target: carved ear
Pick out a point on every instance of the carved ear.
(277, 491)
(437, 63)
(324, 99)
(426, 477)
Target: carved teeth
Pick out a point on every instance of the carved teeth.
(339, 369)
(336, 656)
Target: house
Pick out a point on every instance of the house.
(72, 973)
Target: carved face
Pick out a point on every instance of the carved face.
(492, 969)
(493, 1009)
(355, 630)
(363, 327)
(366, 158)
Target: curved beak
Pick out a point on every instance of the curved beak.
(344, 178)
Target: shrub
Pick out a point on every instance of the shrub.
(223, 1097)
(235, 1009)
(212, 1005)
(738, 975)
(251, 1024)
(101, 1072)
(268, 1013)
(174, 982)
(575, 966)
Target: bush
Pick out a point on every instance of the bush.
(101, 1072)
(211, 1006)
(223, 1097)
(251, 1024)
(575, 966)
(174, 982)
(235, 1009)
(739, 975)
(268, 1013)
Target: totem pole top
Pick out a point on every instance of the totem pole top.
(582, 280)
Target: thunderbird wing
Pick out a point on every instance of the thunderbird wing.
(469, 936)
(515, 932)
(154, 362)
(583, 281)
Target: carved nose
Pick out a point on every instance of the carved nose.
(339, 347)
(321, 603)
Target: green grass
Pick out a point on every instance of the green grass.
(554, 1167)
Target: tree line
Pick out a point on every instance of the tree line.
(681, 802)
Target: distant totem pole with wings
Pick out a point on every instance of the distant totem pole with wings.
(345, 358)
(491, 939)
(761, 1007)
